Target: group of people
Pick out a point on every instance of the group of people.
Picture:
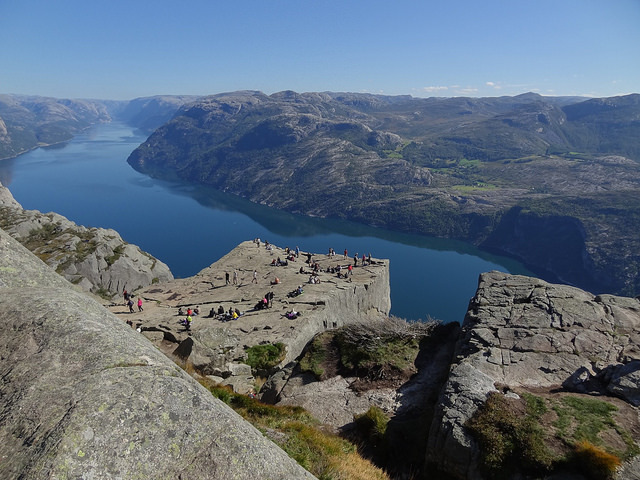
(266, 300)
(128, 301)
(188, 320)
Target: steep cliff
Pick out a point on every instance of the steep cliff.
(28, 122)
(216, 346)
(525, 336)
(85, 396)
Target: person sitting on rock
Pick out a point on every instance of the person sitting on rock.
(187, 322)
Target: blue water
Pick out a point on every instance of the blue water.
(189, 227)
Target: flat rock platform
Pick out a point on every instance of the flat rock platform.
(335, 301)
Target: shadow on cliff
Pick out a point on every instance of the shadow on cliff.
(402, 450)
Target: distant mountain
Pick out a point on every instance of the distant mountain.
(28, 122)
(471, 168)
(149, 113)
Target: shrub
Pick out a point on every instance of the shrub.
(372, 424)
(315, 355)
(594, 462)
(510, 439)
(265, 357)
(392, 342)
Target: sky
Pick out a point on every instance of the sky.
(120, 50)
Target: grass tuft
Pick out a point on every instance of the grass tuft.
(325, 455)
(265, 357)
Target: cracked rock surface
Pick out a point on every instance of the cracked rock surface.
(85, 396)
(524, 333)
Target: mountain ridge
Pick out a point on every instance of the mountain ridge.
(443, 167)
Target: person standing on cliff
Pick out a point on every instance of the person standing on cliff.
(226, 277)
(346, 253)
(235, 277)
(139, 304)
(255, 277)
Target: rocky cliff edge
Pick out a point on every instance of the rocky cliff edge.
(85, 396)
(523, 334)
(96, 259)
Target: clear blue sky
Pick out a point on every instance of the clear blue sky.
(117, 49)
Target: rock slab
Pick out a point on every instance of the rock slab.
(85, 396)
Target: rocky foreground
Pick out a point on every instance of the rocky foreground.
(86, 393)
(85, 396)
(520, 335)
(217, 346)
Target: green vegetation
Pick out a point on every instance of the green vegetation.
(581, 419)
(265, 357)
(510, 439)
(370, 347)
(372, 425)
(517, 435)
(315, 355)
(117, 253)
(325, 455)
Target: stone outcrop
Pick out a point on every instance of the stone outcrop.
(216, 347)
(96, 259)
(521, 332)
(85, 396)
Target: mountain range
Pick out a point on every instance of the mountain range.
(552, 181)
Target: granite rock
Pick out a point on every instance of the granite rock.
(96, 259)
(522, 332)
(86, 396)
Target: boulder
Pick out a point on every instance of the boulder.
(624, 382)
(96, 259)
(86, 396)
(522, 332)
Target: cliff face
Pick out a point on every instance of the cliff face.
(522, 334)
(96, 259)
(219, 348)
(85, 396)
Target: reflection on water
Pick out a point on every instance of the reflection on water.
(190, 226)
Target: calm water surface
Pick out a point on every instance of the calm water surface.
(189, 227)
